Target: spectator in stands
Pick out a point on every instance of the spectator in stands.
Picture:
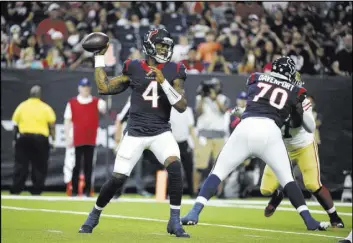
(181, 49)
(206, 51)
(249, 62)
(302, 55)
(135, 21)
(219, 64)
(74, 35)
(19, 12)
(233, 40)
(321, 32)
(292, 17)
(343, 61)
(55, 58)
(34, 123)
(4, 49)
(200, 29)
(157, 21)
(192, 64)
(254, 26)
(209, 19)
(278, 23)
(102, 25)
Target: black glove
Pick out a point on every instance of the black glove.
(299, 109)
(296, 116)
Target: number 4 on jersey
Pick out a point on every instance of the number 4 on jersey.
(152, 87)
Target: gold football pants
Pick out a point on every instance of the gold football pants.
(308, 162)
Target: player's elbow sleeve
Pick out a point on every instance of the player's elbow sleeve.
(309, 122)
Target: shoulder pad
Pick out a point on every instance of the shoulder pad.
(252, 78)
(301, 94)
(126, 66)
(301, 91)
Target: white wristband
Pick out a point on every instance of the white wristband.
(99, 61)
(172, 95)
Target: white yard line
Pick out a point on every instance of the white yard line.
(165, 221)
(126, 199)
(215, 203)
(55, 231)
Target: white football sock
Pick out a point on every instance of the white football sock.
(201, 200)
(174, 207)
(302, 208)
(98, 208)
(331, 210)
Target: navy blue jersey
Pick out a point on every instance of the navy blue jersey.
(271, 97)
(150, 109)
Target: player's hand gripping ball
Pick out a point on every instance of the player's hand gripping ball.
(95, 42)
(159, 75)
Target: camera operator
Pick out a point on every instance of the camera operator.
(211, 106)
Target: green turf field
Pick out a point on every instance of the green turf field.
(133, 219)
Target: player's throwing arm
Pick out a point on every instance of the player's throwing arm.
(99, 44)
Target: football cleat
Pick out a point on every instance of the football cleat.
(269, 210)
(337, 223)
(192, 218)
(85, 229)
(344, 241)
(319, 226)
(174, 228)
(91, 222)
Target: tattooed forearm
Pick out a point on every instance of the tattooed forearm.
(110, 87)
(179, 87)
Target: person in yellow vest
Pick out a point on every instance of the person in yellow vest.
(34, 122)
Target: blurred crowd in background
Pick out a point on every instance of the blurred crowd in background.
(227, 37)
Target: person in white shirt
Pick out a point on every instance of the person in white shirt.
(180, 51)
(211, 106)
(81, 124)
(182, 125)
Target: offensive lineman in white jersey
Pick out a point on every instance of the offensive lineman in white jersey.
(302, 149)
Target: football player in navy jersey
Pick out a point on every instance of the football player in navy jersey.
(157, 84)
(271, 98)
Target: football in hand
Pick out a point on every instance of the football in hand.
(95, 42)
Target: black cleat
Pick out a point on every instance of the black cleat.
(91, 222)
(344, 241)
(174, 228)
(337, 223)
(269, 210)
(275, 201)
(85, 229)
